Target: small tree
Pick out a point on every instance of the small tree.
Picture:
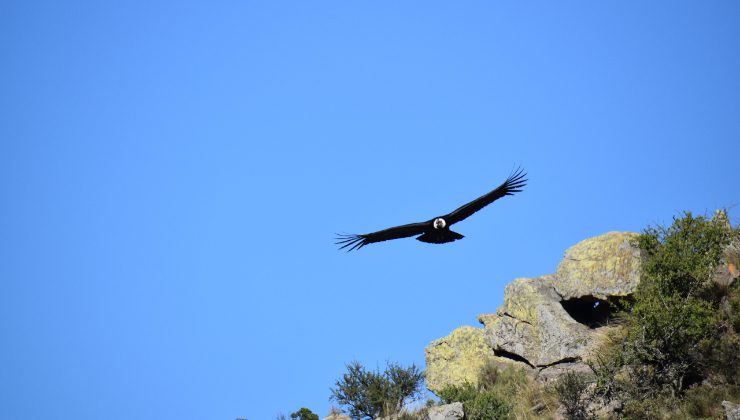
(368, 394)
(571, 390)
(304, 414)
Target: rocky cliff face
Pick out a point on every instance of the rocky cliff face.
(546, 325)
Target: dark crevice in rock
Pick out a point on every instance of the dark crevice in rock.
(566, 360)
(517, 319)
(589, 311)
(512, 356)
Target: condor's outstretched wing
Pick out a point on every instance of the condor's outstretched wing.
(358, 241)
(512, 185)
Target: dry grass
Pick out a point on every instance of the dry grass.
(528, 398)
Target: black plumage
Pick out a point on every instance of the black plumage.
(437, 230)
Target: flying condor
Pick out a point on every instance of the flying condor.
(436, 230)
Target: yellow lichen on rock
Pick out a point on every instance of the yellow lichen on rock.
(602, 266)
(456, 358)
(523, 296)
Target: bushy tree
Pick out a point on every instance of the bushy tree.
(681, 340)
(675, 308)
(304, 414)
(572, 394)
(370, 394)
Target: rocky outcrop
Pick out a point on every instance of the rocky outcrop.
(547, 325)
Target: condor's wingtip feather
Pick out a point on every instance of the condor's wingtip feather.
(350, 240)
(517, 174)
(516, 180)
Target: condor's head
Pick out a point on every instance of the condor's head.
(439, 223)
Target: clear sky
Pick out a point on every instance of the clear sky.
(172, 174)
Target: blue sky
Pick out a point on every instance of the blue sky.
(173, 173)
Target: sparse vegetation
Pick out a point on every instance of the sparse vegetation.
(501, 394)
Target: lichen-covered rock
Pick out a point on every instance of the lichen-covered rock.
(727, 271)
(452, 411)
(456, 358)
(459, 358)
(523, 296)
(602, 266)
(533, 324)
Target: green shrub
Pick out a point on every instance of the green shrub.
(458, 393)
(572, 394)
(487, 406)
(647, 408)
(489, 375)
(368, 394)
(304, 414)
(505, 382)
(682, 258)
(498, 393)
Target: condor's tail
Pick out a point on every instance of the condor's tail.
(439, 236)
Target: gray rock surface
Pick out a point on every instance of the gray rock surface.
(452, 411)
(732, 410)
(533, 324)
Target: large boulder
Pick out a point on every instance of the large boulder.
(459, 357)
(452, 411)
(532, 324)
(603, 266)
(456, 358)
